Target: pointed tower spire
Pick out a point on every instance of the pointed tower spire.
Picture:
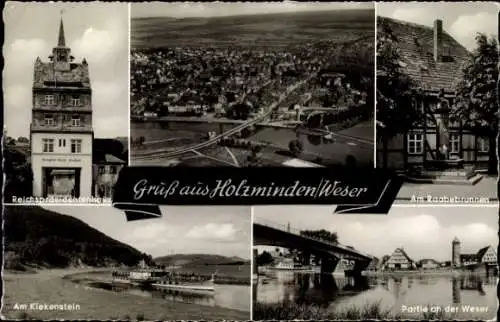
(62, 40)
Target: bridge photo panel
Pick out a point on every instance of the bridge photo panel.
(252, 84)
(415, 263)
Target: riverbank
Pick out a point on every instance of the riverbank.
(56, 286)
(370, 311)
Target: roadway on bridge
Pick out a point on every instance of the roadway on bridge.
(271, 234)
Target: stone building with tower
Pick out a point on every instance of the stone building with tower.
(434, 61)
(486, 255)
(61, 132)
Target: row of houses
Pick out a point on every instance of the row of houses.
(400, 260)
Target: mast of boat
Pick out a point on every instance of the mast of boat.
(213, 275)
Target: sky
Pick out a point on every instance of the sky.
(181, 230)
(462, 20)
(424, 232)
(97, 32)
(190, 9)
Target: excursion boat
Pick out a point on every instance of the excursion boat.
(194, 285)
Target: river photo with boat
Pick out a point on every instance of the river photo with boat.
(80, 263)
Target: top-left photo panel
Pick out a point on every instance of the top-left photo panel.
(252, 84)
(66, 101)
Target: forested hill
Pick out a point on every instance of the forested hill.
(199, 259)
(38, 237)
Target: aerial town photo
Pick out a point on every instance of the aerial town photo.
(90, 263)
(437, 99)
(252, 84)
(415, 263)
(65, 134)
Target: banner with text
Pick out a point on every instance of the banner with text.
(140, 191)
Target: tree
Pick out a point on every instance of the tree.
(477, 101)
(264, 258)
(296, 147)
(18, 175)
(254, 158)
(23, 139)
(322, 234)
(393, 91)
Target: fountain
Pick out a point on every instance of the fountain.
(445, 168)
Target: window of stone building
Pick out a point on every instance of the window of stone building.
(112, 169)
(101, 169)
(454, 143)
(49, 120)
(49, 100)
(415, 143)
(76, 146)
(48, 145)
(75, 101)
(62, 143)
(75, 120)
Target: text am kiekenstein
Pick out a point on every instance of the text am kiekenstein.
(228, 188)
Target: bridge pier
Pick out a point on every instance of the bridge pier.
(328, 264)
(306, 259)
(358, 268)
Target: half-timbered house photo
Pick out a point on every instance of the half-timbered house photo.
(436, 99)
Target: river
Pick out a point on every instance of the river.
(351, 143)
(355, 143)
(399, 294)
(236, 297)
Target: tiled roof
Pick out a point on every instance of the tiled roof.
(481, 252)
(415, 43)
(109, 158)
(45, 72)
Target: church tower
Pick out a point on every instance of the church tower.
(455, 253)
(61, 54)
(61, 127)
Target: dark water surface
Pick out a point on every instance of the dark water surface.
(392, 292)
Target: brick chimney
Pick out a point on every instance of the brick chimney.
(438, 40)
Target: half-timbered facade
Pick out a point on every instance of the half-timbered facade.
(399, 260)
(434, 62)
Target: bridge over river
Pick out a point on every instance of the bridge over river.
(330, 254)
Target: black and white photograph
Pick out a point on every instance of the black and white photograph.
(89, 263)
(250, 84)
(415, 263)
(436, 99)
(65, 87)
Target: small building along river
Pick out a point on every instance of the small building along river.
(484, 261)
